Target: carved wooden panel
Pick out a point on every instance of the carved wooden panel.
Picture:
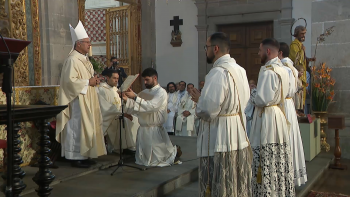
(258, 32)
(239, 55)
(245, 40)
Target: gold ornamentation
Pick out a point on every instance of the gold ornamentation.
(81, 11)
(3, 13)
(36, 42)
(19, 31)
(5, 32)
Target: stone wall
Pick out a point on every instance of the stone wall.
(334, 51)
(148, 33)
(55, 17)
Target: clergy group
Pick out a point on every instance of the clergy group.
(248, 137)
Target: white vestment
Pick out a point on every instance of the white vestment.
(222, 132)
(111, 110)
(296, 144)
(153, 145)
(269, 135)
(249, 111)
(79, 126)
(172, 107)
(218, 107)
(185, 125)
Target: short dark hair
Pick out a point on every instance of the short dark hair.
(109, 72)
(113, 58)
(285, 49)
(167, 86)
(149, 72)
(298, 29)
(190, 84)
(271, 42)
(183, 82)
(221, 39)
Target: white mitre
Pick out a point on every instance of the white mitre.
(78, 33)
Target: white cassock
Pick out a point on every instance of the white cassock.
(185, 125)
(296, 144)
(269, 136)
(153, 145)
(222, 132)
(111, 110)
(172, 107)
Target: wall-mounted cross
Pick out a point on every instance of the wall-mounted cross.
(176, 23)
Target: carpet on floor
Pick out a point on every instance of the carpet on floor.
(325, 194)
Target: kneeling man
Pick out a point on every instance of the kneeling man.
(110, 104)
(153, 147)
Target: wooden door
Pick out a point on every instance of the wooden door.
(245, 41)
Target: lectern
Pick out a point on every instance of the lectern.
(11, 115)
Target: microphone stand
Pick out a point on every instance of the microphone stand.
(121, 159)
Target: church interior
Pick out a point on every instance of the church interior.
(169, 36)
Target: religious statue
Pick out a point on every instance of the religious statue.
(176, 40)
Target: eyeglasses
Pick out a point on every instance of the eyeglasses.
(206, 47)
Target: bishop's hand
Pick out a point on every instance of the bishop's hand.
(94, 81)
(195, 94)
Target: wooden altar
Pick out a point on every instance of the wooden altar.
(38, 114)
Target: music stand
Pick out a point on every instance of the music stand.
(9, 52)
(121, 159)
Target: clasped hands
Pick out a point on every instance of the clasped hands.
(195, 94)
(128, 94)
(94, 81)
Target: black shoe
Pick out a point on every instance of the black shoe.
(90, 162)
(80, 164)
(129, 152)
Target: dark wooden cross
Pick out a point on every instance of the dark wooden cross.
(176, 23)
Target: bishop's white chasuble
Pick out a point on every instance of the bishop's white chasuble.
(79, 126)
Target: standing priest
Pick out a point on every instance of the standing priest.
(273, 173)
(172, 107)
(79, 126)
(185, 125)
(110, 105)
(153, 145)
(222, 143)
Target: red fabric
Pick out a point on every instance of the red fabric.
(3, 144)
(53, 124)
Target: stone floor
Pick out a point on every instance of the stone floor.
(337, 181)
(97, 181)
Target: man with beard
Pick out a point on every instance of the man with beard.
(296, 144)
(273, 173)
(172, 107)
(297, 54)
(153, 145)
(222, 143)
